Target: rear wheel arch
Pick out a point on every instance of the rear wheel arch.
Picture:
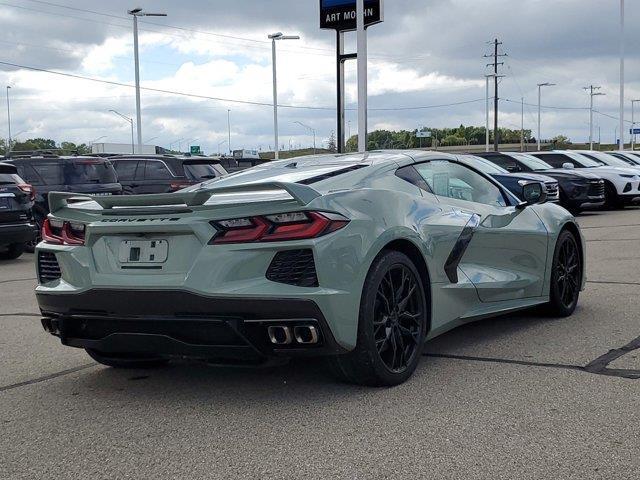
(414, 253)
(573, 228)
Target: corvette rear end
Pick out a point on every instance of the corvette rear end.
(194, 274)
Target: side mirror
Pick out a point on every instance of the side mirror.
(532, 194)
(568, 166)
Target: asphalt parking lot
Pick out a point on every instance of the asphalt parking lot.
(517, 397)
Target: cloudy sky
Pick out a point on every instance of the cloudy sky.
(426, 53)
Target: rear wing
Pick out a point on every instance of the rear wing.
(303, 194)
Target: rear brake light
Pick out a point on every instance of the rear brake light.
(277, 228)
(26, 188)
(58, 232)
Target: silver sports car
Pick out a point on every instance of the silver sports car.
(360, 258)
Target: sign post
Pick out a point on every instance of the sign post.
(342, 16)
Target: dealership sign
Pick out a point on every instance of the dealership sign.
(341, 14)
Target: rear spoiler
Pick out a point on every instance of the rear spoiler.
(302, 194)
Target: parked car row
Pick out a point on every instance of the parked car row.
(577, 180)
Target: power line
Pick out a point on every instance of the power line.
(219, 99)
(545, 106)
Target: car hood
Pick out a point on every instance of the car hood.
(570, 174)
(536, 177)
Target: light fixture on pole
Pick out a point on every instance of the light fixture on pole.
(8, 121)
(540, 85)
(312, 130)
(593, 92)
(633, 124)
(621, 75)
(138, 12)
(273, 37)
(95, 140)
(130, 120)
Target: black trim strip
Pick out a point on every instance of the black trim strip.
(459, 249)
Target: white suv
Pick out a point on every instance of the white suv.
(622, 184)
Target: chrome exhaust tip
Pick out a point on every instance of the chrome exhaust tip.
(306, 334)
(280, 335)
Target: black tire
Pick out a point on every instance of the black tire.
(611, 199)
(126, 361)
(391, 330)
(38, 219)
(566, 276)
(14, 251)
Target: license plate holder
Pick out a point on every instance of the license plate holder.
(143, 251)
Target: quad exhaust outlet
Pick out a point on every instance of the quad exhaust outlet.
(302, 334)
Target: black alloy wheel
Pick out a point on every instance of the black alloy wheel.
(566, 276)
(398, 318)
(392, 324)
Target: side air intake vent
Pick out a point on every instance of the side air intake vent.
(294, 267)
(48, 267)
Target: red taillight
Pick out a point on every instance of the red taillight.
(26, 188)
(277, 228)
(57, 232)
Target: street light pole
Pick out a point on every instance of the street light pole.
(8, 121)
(593, 92)
(130, 120)
(273, 37)
(229, 129)
(361, 43)
(621, 75)
(138, 12)
(540, 85)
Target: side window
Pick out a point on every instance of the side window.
(411, 175)
(126, 169)
(156, 171)
(556, 160)
(51, 172)
(504, 162)
(453, 180)
(29, 174)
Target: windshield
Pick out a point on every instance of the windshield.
(485, 166)
(203, 171)
(580, 159)
(605, 159)
(78, 172)
(531, 162)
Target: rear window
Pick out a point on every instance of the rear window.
(203, 171)
(9, 178)
(80, 171)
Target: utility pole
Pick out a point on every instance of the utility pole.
(593, 92)
(540, 85)
(8, 121)
(486, 111)
(138, 12)
(496, 43)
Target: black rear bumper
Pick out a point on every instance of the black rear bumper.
(182, 324)
(16, 233)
